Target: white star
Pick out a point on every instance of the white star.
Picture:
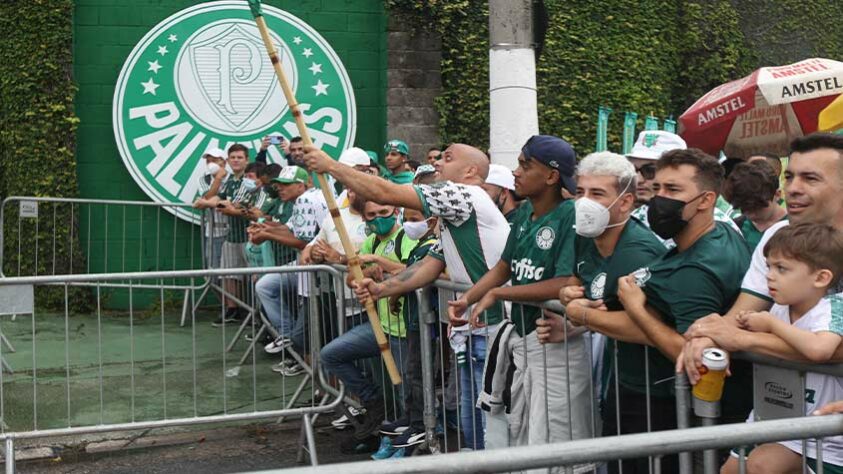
(162, 50)
(172, 38)
(153, 66)
(320, 88)
(314, 68)
(297, 40)
(149, 86)
(307, 53)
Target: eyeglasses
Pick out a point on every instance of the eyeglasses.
(648, 171)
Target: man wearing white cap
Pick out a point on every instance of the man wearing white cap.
(500, 186)
(209, 186)
(358, 159)
(649, 147)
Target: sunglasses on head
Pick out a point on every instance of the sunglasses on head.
(648, 171)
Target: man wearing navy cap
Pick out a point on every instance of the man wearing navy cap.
(538, 260)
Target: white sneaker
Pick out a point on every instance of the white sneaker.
(343, 422)
(278, 345)
(282, 366)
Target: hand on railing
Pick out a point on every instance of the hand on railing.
(831, 408)
(551, 328)
(755, 321)
(570, 293)
(577, 310)
(456, 311)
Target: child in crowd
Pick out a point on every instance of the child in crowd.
(804, 261)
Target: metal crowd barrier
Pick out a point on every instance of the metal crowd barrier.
(168, 375)
(570, 453)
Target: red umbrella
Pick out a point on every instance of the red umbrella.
(764, 111)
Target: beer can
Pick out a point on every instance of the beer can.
(710, 387)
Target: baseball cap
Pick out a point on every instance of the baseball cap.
(291, 175)
(396, 145)
(555, 153)
(424, 170)
(651, 144)
(216, 153)
(354, 157)
(500, 175)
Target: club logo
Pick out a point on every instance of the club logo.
(202, 79)
(544, 238)
(598, 286)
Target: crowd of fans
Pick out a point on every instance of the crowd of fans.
(656, 256)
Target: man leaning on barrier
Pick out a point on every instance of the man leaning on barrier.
(467, 217)
(700, 275)
(611, 244)
(813, 186)
(550, 387)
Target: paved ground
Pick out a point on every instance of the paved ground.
(252, 448)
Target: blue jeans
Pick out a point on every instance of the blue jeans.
(277, 293)
(359, 343)
(471, 381)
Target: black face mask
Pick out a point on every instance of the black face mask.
(665, 216)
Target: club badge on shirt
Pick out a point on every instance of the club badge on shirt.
(545, 237)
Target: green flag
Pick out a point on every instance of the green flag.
(629, 131)
(669, 125)
(602, 127)
(255, 6)
(651, 123)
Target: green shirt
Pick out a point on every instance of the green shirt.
(539, 249)
(279, 211)
(637, 247)
(685, 286)
(423, 248)
(751, 233)
(392, 323)
(230, 190)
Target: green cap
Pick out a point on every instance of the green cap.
(404, 177)
(373, 157)
(396, 145)
(291, 175)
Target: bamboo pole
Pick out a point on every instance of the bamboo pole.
(353, 259)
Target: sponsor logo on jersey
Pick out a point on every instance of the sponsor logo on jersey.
(525, 270)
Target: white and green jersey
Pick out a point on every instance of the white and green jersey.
(539, 249)
(719, 216)
(474, 231)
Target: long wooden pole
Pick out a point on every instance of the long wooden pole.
(353, 259)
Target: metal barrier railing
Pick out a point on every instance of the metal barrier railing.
(165, 365)
(596, 450)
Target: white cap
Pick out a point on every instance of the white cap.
(500, 175)
(354, 157)
(651, 144)
(216, 153)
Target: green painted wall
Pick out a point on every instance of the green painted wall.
(105, 31)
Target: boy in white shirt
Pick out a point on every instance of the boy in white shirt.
(804, 261)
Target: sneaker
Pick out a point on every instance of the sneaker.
(282, 366)
(344, 422)
(386, 450)
(371, 423)
(411, 437)
(265, 339)
(279, 344)
(399, 453)
(395, 428)
(292, 370)
(230, 316)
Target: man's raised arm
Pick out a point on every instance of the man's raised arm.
(371, 188)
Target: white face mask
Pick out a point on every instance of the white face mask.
(415, 230)
(249, 184)
(592, 218)
(213, 168)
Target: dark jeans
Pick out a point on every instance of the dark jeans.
(414, 400)
(633, 419)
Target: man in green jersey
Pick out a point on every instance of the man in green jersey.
(701, 274)
(538, 260)
(473, 235)
(396, 154)
(610, 244)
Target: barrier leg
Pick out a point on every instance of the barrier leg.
(10, 455)
(426, 319)
(683, 418)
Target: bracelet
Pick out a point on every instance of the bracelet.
(585, 318)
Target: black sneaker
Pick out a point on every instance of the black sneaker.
(230, 316)
(411, 437)
(352, 445)
(395, 428)
(371, 423)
